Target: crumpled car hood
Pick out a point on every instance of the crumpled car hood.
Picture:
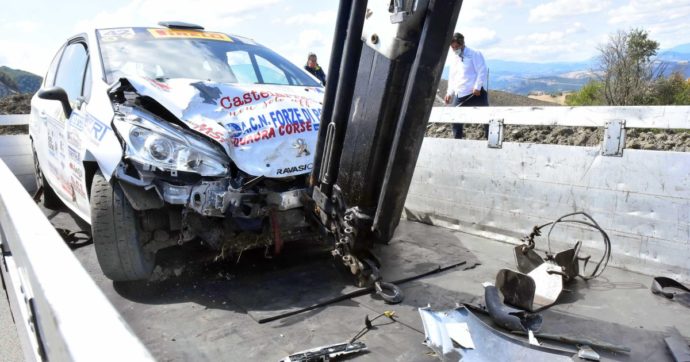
(267, 130)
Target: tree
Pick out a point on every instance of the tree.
(674, 90)
(627, 68)
(591, 94)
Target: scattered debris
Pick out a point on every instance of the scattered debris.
(578, 341)
(368, 324)
(510, 318)
(586, 352)
(671, 289)
(678, 346)
(325, 353)
(539, 282)
(491, 344)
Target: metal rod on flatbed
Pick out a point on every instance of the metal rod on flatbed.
(357, 293)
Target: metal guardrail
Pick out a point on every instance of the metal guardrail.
(14, 119)
(60, 313)
(660, 117)
(641, 197)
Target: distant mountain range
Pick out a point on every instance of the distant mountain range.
(15, 81)
(555, 77)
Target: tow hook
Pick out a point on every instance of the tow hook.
(389, 292)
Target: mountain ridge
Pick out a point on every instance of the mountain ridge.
(13, 81)
(556, 77)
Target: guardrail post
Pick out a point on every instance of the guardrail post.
(495, 136)
(614, 138)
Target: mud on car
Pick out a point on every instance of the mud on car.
(158, 136)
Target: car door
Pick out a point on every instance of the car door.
(40, 108)
(63, 154)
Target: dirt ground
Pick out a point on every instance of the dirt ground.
(644, 139)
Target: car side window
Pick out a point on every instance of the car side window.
(70, 73)
(49, 80)
(271, 73)
(241, 66)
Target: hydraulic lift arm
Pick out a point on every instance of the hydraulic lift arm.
(386, 62)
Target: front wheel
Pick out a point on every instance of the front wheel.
(50, 199)
(117, 234)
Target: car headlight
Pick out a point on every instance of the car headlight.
(166, 147)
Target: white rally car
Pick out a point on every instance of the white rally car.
(163, 135)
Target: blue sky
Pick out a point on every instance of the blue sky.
(518, 30)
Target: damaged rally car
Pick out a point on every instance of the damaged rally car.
(157, 136)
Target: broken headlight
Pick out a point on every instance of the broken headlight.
(167, 147)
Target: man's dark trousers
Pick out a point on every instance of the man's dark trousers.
(470, 101)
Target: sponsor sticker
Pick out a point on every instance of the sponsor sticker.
(73, 139)
(187, 34)
(73, 154)
(291, 170)
(116, 34)
(98, 130)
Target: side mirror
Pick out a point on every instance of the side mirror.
(57, 94)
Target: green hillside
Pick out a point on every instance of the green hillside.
(21, 81)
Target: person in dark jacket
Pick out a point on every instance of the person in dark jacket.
(314, 68)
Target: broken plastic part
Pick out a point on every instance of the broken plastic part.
(526, 258)
(534, 291)
(325, 353)
(510, 318)
(586, 352)
(491, 345)
(677, 345)
(671, 289)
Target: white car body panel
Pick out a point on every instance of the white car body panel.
(267, 130)
(272, 133)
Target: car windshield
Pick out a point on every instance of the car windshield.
(170, 53)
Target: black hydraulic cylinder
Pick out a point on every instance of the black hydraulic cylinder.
(387, 120)
(414, 115)
(336, 117)
(337, 48)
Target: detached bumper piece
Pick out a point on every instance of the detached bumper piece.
(325, 353)
(458, 334)
(671, 289)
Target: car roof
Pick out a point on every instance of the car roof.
(188, 30)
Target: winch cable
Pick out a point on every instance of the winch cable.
(603, 262)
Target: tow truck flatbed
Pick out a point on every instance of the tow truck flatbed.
(202, 318)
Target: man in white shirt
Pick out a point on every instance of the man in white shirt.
(466, 80)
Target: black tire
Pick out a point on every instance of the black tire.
(50, 199)
(116, 233)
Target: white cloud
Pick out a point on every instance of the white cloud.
(212, 14)
(566, 8)
(25, 26)
(552, 37)
(642, 11)
(307, 41)
(551, 46)
(483, 11)
(477, 37)
(23, 55)
(311, 38)
(319, 18)
(666, 20)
